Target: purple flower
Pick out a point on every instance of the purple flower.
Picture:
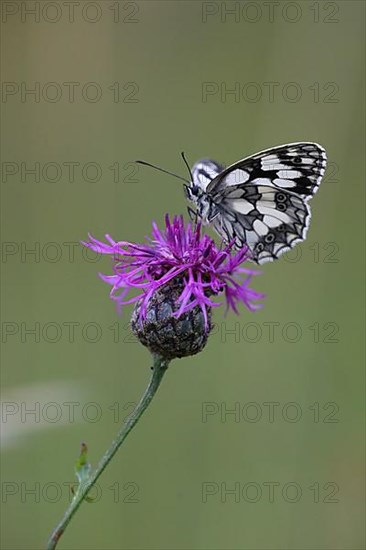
(179, 252)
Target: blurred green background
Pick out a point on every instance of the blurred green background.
(139, 72)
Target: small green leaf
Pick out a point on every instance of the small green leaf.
(82, 466)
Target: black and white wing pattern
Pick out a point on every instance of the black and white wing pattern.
(262, 201)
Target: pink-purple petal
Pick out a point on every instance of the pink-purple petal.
(179, 251)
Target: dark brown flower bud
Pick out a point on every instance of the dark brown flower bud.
(168, 336)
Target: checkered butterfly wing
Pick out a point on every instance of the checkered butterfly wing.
(261, 201)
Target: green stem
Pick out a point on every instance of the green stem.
(159, 368)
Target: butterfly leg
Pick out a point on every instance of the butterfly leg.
(193, 214)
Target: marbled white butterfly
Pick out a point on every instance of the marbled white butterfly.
(262, 200)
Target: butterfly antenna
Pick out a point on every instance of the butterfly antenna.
(162, 170)
(186, 163)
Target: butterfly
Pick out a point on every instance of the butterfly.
(261, 201)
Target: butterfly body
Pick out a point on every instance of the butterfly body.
(261, 201)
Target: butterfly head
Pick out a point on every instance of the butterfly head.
(192, 192)
(203, 204)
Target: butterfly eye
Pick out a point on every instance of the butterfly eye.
(269, 238)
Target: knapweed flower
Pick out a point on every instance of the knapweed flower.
(177, 273)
